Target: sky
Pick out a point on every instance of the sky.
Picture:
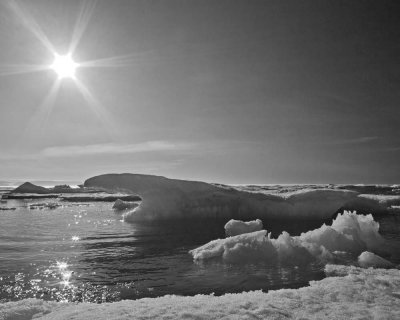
(221, 91)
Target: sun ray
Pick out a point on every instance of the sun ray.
(117, 61)
(32, 25)
(101, 113)
(81, 24)
(127, 60)
(16, 69)
(38, 121)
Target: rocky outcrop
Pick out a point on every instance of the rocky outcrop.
(28, 187)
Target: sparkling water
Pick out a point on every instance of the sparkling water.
(85, 252)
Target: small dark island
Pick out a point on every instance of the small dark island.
(28, 190)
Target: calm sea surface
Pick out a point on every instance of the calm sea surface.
(85, 252)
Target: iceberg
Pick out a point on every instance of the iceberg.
(349, 232)
(164, 198)
(347, 293)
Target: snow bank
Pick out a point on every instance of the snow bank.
(236, 227)
(357, 293)
(349, 232)
(164, 198)
(368, 259)
(123, 205)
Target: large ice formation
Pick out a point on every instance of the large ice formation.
(164, 198)
(349, 233)
(347, 293)
(236, 227)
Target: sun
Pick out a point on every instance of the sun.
(64, 66)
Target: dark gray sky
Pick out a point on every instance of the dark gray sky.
(225, 91)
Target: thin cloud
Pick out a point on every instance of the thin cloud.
(393, 149)
(183, 147)
(114, 148)
(359, 140)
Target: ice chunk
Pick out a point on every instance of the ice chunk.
(164, 198)
(361, 229)
(368, 259)
(349, 232)
(250, 247)
(123, 205)
(236, 227)
(254, 247)
(357, 293)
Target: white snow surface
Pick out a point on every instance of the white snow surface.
(164, 198)
(347, 293)
(349, 233)
(236, 227)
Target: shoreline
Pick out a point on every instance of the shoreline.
(347, 292)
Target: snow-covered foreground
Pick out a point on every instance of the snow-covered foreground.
(347, 293)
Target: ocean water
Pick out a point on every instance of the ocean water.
(86, 252)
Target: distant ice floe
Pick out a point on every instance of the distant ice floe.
(349, 232)
(347, 293)
(164, 198)
(98, 196)
(236, 227)
(44, 205)
(7, 208)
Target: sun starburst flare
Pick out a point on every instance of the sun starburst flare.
(64, 65)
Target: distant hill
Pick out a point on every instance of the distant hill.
(28, 187)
